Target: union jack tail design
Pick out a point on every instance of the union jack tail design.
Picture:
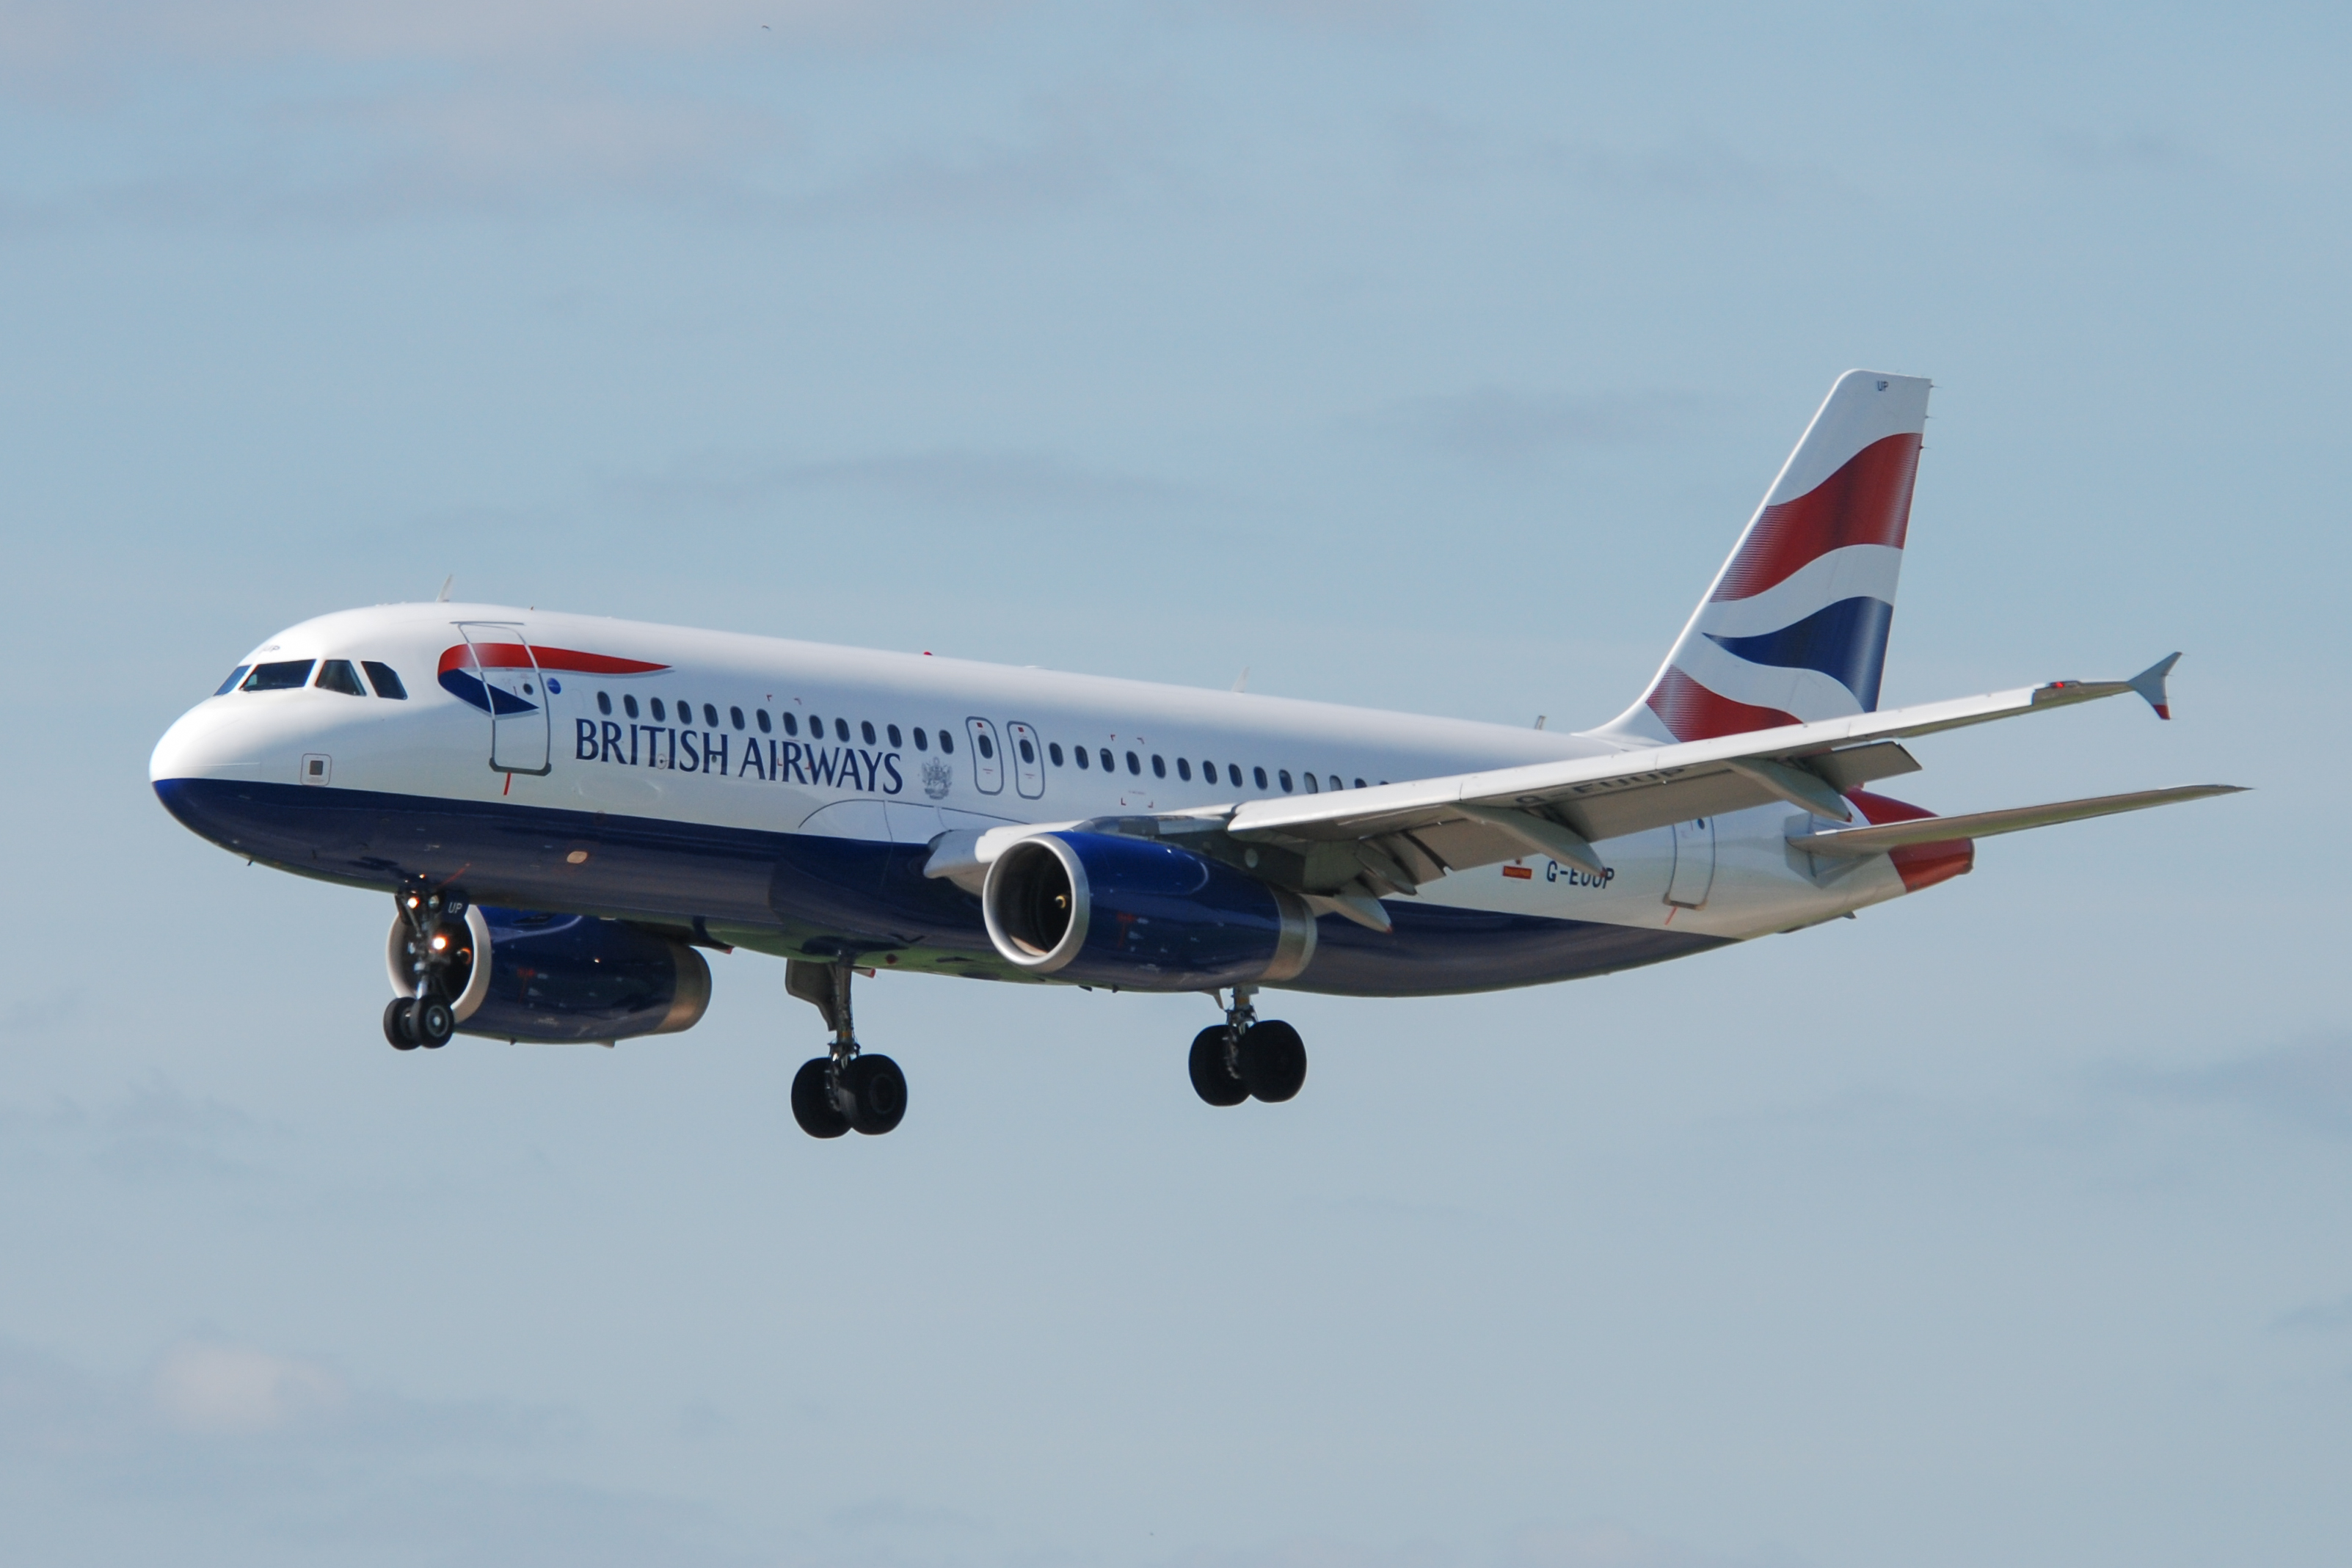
(1794, 629)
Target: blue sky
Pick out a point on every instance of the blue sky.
(1418, 356)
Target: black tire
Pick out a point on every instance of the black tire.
(395, 1024)
(813, 1106)
(1213, 1080)
(877, 1092)
(1273, 1061)
(434, 1021)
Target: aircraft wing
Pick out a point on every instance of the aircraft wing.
(1362, 844)
(1347, 849)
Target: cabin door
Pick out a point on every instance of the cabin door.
(521, 729)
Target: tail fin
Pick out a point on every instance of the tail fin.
(1793, 628)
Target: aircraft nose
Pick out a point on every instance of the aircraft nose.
(207, 742)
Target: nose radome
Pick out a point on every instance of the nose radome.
(216, 741)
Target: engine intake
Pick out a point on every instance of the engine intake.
(1141, 915)
(564, 979)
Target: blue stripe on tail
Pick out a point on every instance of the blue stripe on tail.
(1845, 641)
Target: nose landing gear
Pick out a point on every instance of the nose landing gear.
(1244, 1058)
(435, 918)
(846, 1091)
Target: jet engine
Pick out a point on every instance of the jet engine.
(1139, 914)
(564, 979)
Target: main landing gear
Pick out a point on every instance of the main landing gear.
(846, 1091)
(1244, 1058)
(438, 940)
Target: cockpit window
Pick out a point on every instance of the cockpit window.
(387, 681)
(283, 675)
(337, 676)
(229, 684)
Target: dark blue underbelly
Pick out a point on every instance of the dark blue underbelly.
(826, 895)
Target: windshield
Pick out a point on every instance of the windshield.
(283, 675)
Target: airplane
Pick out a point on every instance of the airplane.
(569, 810)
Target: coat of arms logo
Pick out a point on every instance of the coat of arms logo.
(936, 780)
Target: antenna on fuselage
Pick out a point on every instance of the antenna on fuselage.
(443, 597)
(1240, 681)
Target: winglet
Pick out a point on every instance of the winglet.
(2149, 684)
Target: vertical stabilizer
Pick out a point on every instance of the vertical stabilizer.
(1793, 628)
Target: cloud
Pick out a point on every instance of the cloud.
(1502, 425)
(2320, 1317)
(226, 1390)
(949, 481)
(2307, 1085)
(206, 1391)
(71, 35)
(1588, 1545)
(153, 1130)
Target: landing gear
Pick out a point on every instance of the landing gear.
(1215, 1078)
(1244, 1058)
(435, 918)
(846, 1091)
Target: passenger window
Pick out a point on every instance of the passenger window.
(1335, 781)
(1259, 773)
(736, 714)
(1234, 772)
(710, 715)
(894, 742)
(1284, 776)
(816, 728)
(1109, 765)
(1159, 766)
(629, 705)
(987, 747)
(1312, 788)
(337, 676)
(1133, 764)
(866, 728)
(947, 743)
(761, 715)
(661, 714)
(792, 724)
(841, 730)
(922, 741)
(604, 703)
(1080, 753)
(1360, 783)
(229, 684)
(1184, 768)
(1054, 750)
(1028, 752)
(284, 675)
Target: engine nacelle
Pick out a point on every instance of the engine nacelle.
(561, 979)
(1141, 915)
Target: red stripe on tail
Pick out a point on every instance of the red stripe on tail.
(1692, 712)
(1867, 502)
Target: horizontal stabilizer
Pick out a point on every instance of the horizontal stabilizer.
(1848, 842)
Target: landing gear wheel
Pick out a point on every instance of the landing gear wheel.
(1273, 1061)
(434, 1022)
(813, 1106)
(876, 1090)
(395, 1024)
(1213, 1074)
